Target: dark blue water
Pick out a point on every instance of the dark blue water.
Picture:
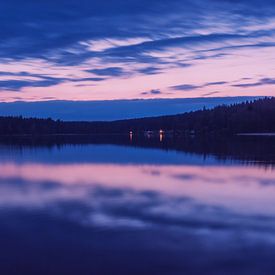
(110, 209)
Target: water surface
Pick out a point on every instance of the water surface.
(117, 209)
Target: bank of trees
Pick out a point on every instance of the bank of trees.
(247, 117)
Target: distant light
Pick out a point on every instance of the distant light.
(161, 135)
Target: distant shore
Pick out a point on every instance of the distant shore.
(257, 134)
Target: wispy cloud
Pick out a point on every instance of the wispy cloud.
(26, 79)
(111, 71)
(152, 92)
(190, 87)
(261, 82)
(85, 41)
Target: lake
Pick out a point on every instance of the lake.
(137, 208)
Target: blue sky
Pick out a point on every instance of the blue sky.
(101, 110)
(116, 50)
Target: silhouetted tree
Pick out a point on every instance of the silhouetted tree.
(247, 117)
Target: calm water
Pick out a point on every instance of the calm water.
(114, 209)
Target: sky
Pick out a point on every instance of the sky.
(123, 50)
(102, 110)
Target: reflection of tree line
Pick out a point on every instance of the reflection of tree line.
(248, 150)
(203, 132)
(248, 117)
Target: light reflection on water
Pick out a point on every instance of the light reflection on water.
(142, 211)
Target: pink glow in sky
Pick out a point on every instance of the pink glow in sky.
(228, 72)
(196, 49)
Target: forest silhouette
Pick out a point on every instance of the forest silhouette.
(256, 116)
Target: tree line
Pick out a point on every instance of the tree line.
(246, 117)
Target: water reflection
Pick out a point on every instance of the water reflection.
(71, 210)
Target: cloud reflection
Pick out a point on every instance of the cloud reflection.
(231, 198)
(180, 216)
